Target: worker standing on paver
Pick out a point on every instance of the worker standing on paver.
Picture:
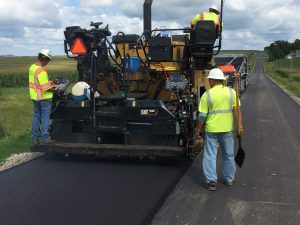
(216, 110)
(212, 14)
(40, 89)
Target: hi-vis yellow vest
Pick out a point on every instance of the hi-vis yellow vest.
(39, 83)
(217, 103)
(206, 16)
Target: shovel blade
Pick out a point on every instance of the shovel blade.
(240, 157)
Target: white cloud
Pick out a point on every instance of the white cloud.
(43, 35)
(237, 5)
(6, 40)
(29, 12)
(94, 3)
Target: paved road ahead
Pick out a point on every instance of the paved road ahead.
(267, 188)
(52, 191)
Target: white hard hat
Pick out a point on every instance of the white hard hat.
(216, 74)
(215, 9)
(79, 87)
(46, 52)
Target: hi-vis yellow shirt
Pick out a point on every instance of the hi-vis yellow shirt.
(206, 16)
(218, 103)
(39, 83)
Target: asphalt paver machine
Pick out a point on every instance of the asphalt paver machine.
(144, 91)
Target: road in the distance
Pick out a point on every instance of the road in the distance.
(267, 188)
(85, 191)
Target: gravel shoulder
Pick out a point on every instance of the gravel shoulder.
(18, 159)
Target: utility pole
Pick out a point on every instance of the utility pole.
(291, 69)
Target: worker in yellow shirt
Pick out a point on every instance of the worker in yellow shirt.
(217, 108)
(40, 89)
(212, 14)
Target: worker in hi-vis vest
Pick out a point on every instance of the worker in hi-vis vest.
(40, 89)
(212, 15)
(217, 108)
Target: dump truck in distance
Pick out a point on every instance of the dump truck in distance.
(232, 64)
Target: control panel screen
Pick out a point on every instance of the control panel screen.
(176, 78)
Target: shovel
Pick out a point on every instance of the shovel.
(240, 155)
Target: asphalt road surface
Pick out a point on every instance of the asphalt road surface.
(80, 191)
(85, 191)
(267, 189)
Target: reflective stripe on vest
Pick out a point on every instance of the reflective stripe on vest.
(37, 72)
(36, 80)
(45, 86)
(210, 104)
(32, 85)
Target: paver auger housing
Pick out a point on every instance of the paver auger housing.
(144, 91)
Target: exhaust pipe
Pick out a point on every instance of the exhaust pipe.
(147, 17)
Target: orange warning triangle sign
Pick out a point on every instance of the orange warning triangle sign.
(78, 47)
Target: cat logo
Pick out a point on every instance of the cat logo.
(149, 112)
(144, 112)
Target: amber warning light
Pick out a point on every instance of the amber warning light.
(78, 47)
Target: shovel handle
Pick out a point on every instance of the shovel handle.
(237, 100)
(240, 141)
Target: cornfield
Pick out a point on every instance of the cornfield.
(9, 80)
(14, 70)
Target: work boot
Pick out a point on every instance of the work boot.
(211, 186)
(49, 141)
(228, 183)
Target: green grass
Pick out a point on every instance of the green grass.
(3, 131)
(15, 118)
(283, 75)
(14, 144)
(16, 110)
(251, 62)
(15, 121)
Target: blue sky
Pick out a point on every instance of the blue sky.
(74, 3)
(26, 26)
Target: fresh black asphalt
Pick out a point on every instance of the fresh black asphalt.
(85, 191)
(267, 188)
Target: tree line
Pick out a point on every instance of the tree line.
(279, 49)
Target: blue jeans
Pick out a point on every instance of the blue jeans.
(211, 144)
(40, 119)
